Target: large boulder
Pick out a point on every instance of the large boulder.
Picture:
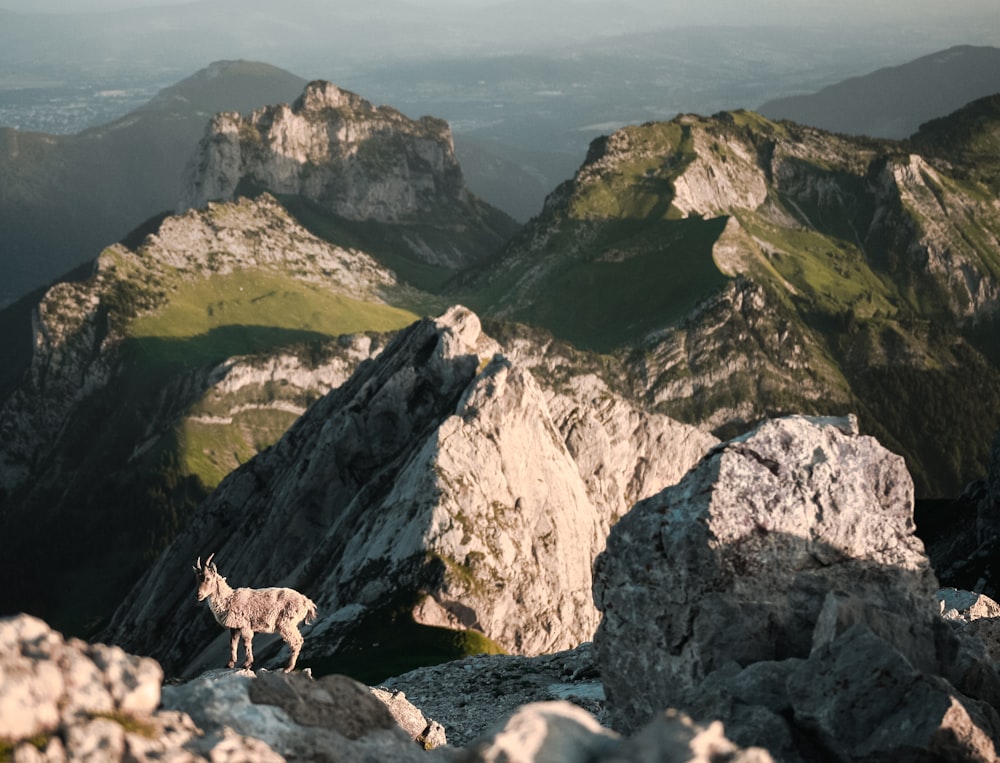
(732, 593)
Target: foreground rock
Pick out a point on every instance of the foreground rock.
(779, 587)
(69, 701)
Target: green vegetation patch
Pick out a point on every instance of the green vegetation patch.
(636, 277)
(642, 186)
(831, 275)
(211, 449)
(248, 311)
(388, 642)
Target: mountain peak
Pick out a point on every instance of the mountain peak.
(355, 161)
(320, 95)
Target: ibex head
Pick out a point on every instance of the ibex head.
(207, 577)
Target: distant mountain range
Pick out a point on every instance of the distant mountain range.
(66, 197)
(893, 102)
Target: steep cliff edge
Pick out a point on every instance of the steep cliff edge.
(355, 161)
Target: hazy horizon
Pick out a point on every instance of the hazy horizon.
(536, 80)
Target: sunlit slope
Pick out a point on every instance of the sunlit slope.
(742, 267)
(244, 312)
(250, 311)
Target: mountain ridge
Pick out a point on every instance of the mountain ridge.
(894, 101)
(867, 258)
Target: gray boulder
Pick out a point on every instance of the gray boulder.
(331, 719)
(723, 594)
(68, 700)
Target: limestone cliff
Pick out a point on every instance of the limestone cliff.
(353, 160)
(443, 484)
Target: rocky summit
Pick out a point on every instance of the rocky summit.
(353, 160)
(443, 492)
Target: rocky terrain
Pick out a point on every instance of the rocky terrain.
(355, 161)
(774, 604)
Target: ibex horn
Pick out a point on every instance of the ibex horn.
(209, 560)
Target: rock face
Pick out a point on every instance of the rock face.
(353, 159)
(775, 586)
(439, 477)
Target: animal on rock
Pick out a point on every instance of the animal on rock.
(246, 611)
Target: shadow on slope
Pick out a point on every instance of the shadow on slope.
(156, 356)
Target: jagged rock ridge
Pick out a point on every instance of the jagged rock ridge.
(356, 161)
(442, 479)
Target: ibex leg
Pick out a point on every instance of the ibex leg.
(247, 642)
(234, 641)
(290, 633)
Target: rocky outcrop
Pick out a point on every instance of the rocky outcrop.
(354, 160)
(736, 348)
(780, 588)
(66, 700)
(439, 477)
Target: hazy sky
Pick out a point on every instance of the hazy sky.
(704, 11)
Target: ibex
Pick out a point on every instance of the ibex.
(246, 611)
